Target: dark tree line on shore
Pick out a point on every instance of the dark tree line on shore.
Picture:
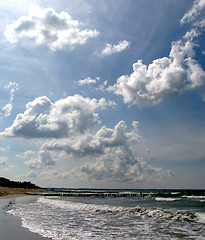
(4, 182)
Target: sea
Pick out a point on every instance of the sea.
(113, 214)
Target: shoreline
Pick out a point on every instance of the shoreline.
(11, 226)
(13, 196)
(6, 192)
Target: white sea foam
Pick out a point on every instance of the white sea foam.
(79, 206)
(167, 199)
(73, 218)
(194, 197)
(138, 211)
(201, 217)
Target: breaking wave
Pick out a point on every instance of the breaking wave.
(62, 218)
(167, 199)
(138, 211)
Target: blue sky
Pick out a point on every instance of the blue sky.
(103, 94)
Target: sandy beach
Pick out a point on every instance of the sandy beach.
(6, 192)
(10, 226)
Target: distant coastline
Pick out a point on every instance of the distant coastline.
(4, 182)
(10, 188)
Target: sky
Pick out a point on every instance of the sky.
(103, 94)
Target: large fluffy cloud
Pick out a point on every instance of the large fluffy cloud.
(164, 77)
(66, 117)
(37, 159)
(45, 26)
(89, 144)
(118, 164)
(67, 124)
(110, 155)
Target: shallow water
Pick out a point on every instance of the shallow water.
(76, 217)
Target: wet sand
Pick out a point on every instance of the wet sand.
(10, 226)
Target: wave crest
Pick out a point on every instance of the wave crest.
(138, 211)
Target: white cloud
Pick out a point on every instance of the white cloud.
(89, 144)
(3, 161)
(69, 122)
(88, 80)
(196, 74)
(4, 149)
(47, 27)
(38, 159)
(200, 23)
(49, 175)
(46, 158)
(167, 76)
(118, 164)
(110, 49)
(102, 87)
(7, 109)
(27, 154)
(12, 87)
(32, 175)
(109, 155)
(34, 163)
(194, 11)
(72, 115)
(164, 77)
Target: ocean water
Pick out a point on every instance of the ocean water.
(149, 216)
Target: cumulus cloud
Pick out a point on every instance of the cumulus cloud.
(32, 175)
(3, 161)
(193, 12)
(46, 158)
(68, 122)
(51, 174)
(69, 116)
(102, 86)
(109, 150)
(38, 160)
(34, 163)
(26, 154)
(196, 74)
(89, 144)
(88, 81)
(110, 49)
(12, 87)
(164, 77)
(46, 27)
(4, 149)
(118, 164)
